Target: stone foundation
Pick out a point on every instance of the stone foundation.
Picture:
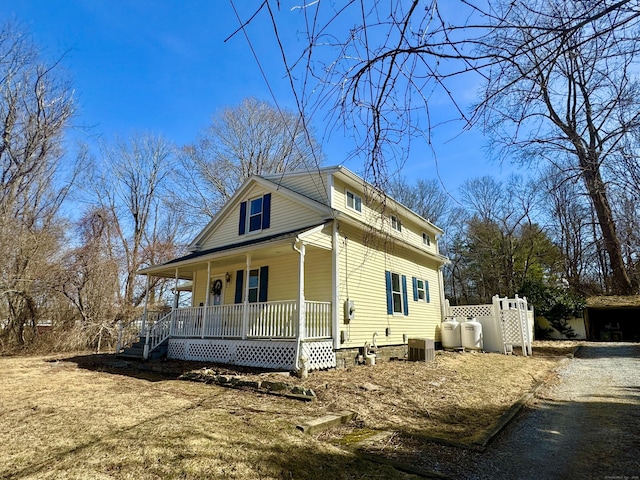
(348, 357)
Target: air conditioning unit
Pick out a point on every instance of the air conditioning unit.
(421, 350)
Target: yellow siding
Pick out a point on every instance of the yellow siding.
(283, 277)
(286, 215)
(317, 283)
(362, 279)
(312, 185)
(322, 239)
(378, 218)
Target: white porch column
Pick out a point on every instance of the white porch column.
(206, 299)
(146, 308)
(301, 301)
(245, 307)
(176, 300)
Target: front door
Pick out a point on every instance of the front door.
(217, 291)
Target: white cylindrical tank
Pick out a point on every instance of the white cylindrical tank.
(471, 334)
(451, 334)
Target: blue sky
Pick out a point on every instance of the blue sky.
(163, 67)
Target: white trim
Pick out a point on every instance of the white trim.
(335, 286)
(356, 197)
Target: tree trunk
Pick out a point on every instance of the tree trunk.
(621, 283)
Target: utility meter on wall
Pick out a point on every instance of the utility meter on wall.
(349, 310)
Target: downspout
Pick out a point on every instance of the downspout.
(301, 301)
(443, 307)
(335, 287)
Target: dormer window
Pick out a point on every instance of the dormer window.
(255, 214)
(396, 224)
(354, 201)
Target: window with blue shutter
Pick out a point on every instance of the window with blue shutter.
(255, 214)
(396, 286)
(387, 275)
(405, 299)
(239, 286)
(258, 285)
(243, 218)
(420, 290)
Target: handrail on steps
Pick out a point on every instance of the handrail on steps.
(157, 333)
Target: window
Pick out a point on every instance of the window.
(258, 216)
(395, 223)
(354, 201)
(396, 294)
(255, 214)
(426, 239)
(420, 290)
(254, 285)
(257, 285)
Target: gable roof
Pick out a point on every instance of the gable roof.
(229, 206)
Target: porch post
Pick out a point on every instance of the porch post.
(245, 306)
(301, 303)
(206, 298)
(143, 327)
(176, 300)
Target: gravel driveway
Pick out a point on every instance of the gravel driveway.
(586, 426)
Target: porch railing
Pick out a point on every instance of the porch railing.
(263, 320)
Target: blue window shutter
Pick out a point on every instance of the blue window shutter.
(414, 280)
(264, 280)
(243, 218)
(405, 297)
(387, 275)
(239, 285)
(266, 211)
(426, 287)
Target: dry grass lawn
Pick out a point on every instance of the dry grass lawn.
(59, 420)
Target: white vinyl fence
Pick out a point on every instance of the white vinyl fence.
(506, 323)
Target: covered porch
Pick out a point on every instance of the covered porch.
(266, 304)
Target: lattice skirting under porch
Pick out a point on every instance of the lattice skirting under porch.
(252, 353)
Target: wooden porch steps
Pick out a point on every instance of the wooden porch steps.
(136, 351)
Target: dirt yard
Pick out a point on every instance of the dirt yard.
(70, 417)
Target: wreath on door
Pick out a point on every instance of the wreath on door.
(216, 289)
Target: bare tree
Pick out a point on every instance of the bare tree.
(129, 185)
(88, 278)
(250, 138)
(425, 197)
(380, 74)
(575, 94)
(35, 106)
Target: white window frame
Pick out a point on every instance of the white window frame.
(426, 239)
(255, 287)
(397, 293)
(396, 224)
(356, 201)
(422, 290)
(250, 215)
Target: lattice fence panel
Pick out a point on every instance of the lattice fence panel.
(267, 354)
(471, 311)
(511, 327)
(213, 352)
(176, 349)
(320, 354)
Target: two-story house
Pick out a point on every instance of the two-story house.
(302, 270)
